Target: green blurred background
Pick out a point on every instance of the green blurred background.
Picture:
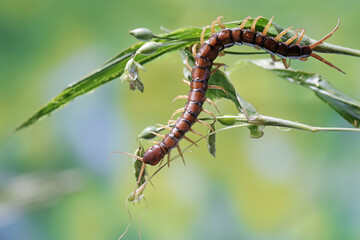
(57, 182)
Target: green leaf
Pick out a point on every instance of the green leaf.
(211, 139)
(346, 106)
(138, 164)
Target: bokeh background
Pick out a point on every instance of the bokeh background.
(57, 182)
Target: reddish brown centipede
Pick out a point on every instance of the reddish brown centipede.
(201, 71)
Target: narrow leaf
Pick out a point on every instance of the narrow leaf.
(138, 164)
(211, 139)
(346, 106)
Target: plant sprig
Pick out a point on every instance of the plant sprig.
(180, 38)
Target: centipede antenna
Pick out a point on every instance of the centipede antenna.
(129, 154)
(326, 62)
(326, 37)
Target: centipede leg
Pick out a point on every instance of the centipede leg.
(242, 25)
(168, 160)
(176, 112)
(170, 121)
(197, 133)
(219, 22)
(253, 25)
(208, 112)
(180, 153)
(264, 32)
(280, 35)
(286, 65)
(212, 103)
(190, 141)
(165, 127)
(274, 58)
(218, 66)
(218, 88)
(301, 36)
(194, 49)
(291, 39)
(206, 99)
(202, 36)
(186, 82)
(187, 64)
(180, 97)
(186, 138)
(157, 134)
(204, 123)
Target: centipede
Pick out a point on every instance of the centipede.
(201, 71)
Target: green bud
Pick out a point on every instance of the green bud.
(148, 48)
(142, 34)
(226, 120)
(146, 133)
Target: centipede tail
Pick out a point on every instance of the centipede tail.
(326, 62)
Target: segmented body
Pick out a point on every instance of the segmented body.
(208, 52)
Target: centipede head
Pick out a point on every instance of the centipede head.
(320, 42)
